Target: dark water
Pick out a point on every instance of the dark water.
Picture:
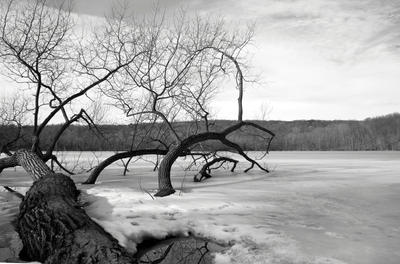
(178, 250)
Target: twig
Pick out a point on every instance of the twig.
(182, 183)
(19, 195)
(144, 190)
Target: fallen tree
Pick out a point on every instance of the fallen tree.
(205, 171)
(176, 79)
(155, 71)
(184, 149)
(164, 172)
(52, 225)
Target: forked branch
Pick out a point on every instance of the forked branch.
(205, 171)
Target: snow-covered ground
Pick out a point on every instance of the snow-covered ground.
(314, 207)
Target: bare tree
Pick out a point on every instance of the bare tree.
(13, 112)
(184, 63)
(39, 49)
(157, 71)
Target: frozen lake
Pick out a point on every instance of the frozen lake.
(314, 207)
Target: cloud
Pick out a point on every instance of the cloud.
(318, 58)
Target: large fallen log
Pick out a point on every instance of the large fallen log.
(52, 225)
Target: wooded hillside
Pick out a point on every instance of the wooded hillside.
(379, 133)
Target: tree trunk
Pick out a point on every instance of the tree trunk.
(52, 225)
(8, 162)
(55, 229)
(164, 172)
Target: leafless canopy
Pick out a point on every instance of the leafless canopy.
(158, 70)
(184, 62)
(41, 49)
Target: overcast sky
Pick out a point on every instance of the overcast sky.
(318, 59)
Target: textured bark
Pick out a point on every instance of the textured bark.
(32, 164)
(55, 229)
(52, 225)
(164, 171)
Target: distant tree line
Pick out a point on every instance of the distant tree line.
(379, 133)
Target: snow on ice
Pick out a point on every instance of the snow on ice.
(314, 207)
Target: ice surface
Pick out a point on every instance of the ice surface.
(314, 207)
